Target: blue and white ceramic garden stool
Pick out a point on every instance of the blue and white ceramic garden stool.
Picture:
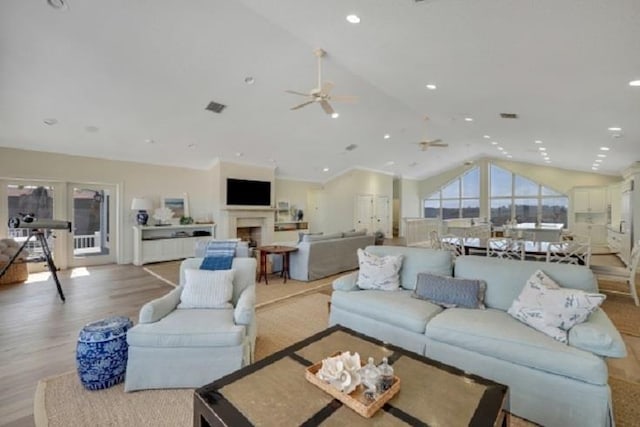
(101, 353)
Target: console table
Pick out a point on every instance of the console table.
(169, 242)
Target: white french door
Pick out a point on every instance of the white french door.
(92, 212)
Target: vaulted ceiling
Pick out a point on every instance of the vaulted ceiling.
(130, 80)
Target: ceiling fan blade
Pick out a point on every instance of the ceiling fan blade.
(302, 105)
(327, 107)
(297, 93)
(327, 87)
(439, 144)
(344, 98)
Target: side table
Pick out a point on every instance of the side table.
(275, 250)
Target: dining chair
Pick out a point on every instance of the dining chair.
(434, 240)
(577, 251)
(507, 248)
(622, 274)
(453, 244)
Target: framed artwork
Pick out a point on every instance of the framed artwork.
(179, 205)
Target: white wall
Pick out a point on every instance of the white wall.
(410, 201)
(336, 201)
(132, 180)
(297, 193)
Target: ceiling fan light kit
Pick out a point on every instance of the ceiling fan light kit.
(322, 92)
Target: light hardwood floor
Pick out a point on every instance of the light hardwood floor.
(38, 333)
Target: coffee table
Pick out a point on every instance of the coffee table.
(274, 391)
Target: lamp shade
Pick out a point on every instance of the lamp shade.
(141, 204)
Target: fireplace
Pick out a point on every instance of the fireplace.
(248, 224)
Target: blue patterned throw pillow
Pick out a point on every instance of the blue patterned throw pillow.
(218, 255)
(450, 291)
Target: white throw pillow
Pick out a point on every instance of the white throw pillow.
(379, 272)
(207, 289)
(551, 309)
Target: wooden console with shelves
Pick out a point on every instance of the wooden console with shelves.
(170, 242)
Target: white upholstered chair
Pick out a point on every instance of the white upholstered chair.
(501, 247)
(453, 244)
(173, 347)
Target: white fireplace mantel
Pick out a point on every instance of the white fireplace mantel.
(232, 218)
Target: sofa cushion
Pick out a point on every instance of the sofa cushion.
(320, 237)
(553, 310)
(207, 289)
(506, 278)
(354, 233)
(450, 291)
(189, 328)
(378, 272)
(417, 260)
(395, 308)
(496, 334)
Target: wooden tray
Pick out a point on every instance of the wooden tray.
(356, 399)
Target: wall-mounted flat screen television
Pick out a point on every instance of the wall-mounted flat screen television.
(245, 192)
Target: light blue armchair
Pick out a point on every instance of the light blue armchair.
(187, 348)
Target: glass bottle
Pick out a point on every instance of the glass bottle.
(370, 378)
(386, 375)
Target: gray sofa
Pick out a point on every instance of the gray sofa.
(551, 383)
(322, 255)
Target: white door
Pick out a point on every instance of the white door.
(93, 225)
(382, 220)
(364, 217)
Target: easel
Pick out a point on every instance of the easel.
(39, 234)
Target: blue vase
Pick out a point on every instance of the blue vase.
(142, 217)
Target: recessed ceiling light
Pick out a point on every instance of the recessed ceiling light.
(249, 80)
(149, 141)
(486, 137)
(598, 160)
(594, 169)
(386, 136)
(602, 155)
(542, 149)
(509, 156)
(390, 163)
(335, 115)
(537, 141)
(239, 154)
(325, 169)
(353, 19)
(500, 148)
(615, 129)
(634, 83)
(468, 119)
(431, 86)
(494, 142)
(604, 148)
(50, 122)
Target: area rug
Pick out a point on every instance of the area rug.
(63, 401)
(621, 309)
(276, 290)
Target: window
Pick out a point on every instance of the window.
(514, 197)
(458, 199)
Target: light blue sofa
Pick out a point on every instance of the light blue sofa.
(550, 383)
(172, 347)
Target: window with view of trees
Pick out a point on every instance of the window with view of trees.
(514, 197)
(511, 197)
(458, 199)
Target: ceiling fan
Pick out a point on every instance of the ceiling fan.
(322, 93)
(424, 145)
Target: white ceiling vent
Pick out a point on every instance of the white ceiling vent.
(509, 115)
(215, 107)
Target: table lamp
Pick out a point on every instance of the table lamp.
(141, 205)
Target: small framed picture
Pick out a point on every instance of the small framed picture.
(179, 205)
